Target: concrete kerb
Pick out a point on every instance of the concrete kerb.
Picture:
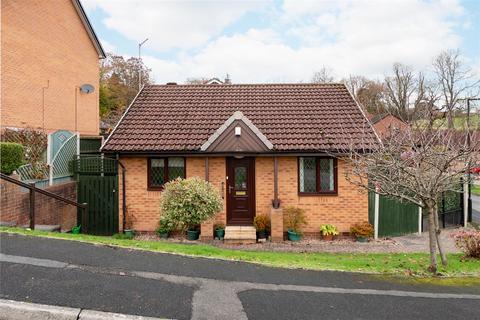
(18, 310)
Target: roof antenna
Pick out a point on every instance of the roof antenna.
(227, 79)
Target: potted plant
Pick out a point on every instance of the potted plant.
(294, 221)
(129, 220)
(164, 229)
(190, 202)
(328, 231)
(219, 230)
(362, 231)
(193, 232)
(262, 225)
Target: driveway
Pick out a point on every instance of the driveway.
(475, 208)
(74, 274)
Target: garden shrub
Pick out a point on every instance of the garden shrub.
(262, 223)
(469, 242)
(186, 203)
(295, 219)
(11, 156)
(363, 229)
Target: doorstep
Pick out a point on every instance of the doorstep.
(240, 235)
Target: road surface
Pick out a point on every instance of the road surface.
(103, 278)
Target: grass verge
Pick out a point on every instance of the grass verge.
(475, 188)
(377, 263)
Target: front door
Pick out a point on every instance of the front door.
(240, 191)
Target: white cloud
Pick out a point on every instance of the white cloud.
(171, 24)
(351, 37)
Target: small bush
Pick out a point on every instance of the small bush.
(363, 229)
(328, 229)
(262, 223)
(186, 203)
(11, 156)
(469, 242)
(164, 227)
(219, 226)
(294, 219)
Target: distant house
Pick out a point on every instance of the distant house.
(260, 145)
(49, 67)
(384, 124)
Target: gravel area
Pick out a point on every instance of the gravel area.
(406, 244)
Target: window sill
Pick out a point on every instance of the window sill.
(317, 194)
(155, 188)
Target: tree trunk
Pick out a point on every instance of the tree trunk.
(431, 236)
(437, 237)
(450, 119)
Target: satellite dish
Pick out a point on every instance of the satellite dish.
(87, 88)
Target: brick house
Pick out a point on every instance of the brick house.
(384, 124)
(264, 147)
(49, 50)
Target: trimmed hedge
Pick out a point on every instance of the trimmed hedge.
(12, 156)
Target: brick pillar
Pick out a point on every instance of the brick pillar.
(276, 218)
(206, 230)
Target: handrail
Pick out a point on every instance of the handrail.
(34, 189)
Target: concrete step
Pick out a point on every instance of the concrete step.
(240, 234)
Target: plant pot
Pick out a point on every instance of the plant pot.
(76, 230)
(129, 233)
(192, 235)
(262, 234)
(362, 239)
(163, 235)
(293, 236)
(327, 237)
(220, 233)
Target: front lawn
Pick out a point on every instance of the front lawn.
(378, 263)
(475, 188)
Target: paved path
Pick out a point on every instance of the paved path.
(475, 208)
(74, 274)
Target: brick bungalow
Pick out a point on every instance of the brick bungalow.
(264, 146)
(385, 123)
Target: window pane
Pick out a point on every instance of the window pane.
(240, 178)
(176, 168)
(157, 171)
(308, 175)
(326, 175)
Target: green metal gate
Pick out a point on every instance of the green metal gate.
(97, 180)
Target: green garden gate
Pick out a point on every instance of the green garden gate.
(97, 185)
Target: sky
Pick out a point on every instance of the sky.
(285, 41)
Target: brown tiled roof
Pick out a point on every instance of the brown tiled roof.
(294, 117)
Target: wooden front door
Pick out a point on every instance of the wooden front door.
(240, 191)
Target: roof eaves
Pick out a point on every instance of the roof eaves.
(237, 115)
(91, 33)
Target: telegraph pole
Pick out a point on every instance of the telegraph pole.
(140, 67)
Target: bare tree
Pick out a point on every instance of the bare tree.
(324, 75)
(416, 165)
(403, 90)
(454, 79)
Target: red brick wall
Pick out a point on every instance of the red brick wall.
(348, 207)
(15, 205)
(46, 56)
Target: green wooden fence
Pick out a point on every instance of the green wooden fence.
(395, 218)
(97, 179)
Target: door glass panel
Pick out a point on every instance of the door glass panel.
(240, 178)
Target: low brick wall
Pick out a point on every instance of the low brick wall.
(15, 205)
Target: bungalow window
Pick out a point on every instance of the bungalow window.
(162, 170)
(317, 175)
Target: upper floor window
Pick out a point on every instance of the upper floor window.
(317, 175)
(162, 170)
